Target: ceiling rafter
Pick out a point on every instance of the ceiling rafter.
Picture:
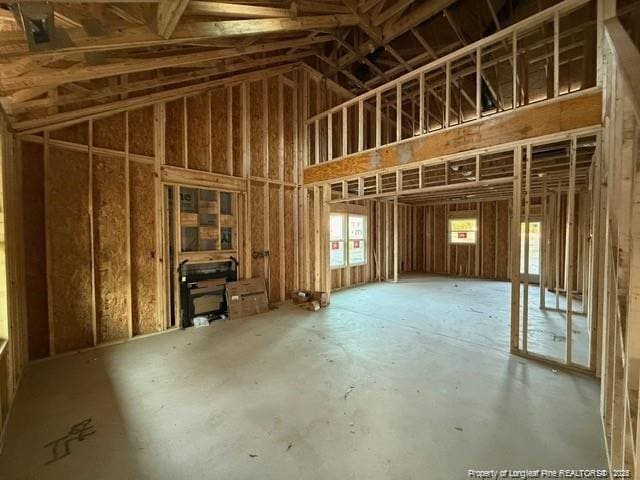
(14, 43)
(52, 77)
(234, 10)
(391, 31)
(168, 15)
(397, 8)
(161, 81)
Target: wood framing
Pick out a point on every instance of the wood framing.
(566, 114)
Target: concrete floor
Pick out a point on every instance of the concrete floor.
(391, 382)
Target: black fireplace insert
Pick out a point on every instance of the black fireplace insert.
(202, 289)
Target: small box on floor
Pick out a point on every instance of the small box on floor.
(247, 297)
(310, 300)
(301, 296)
(321, 297)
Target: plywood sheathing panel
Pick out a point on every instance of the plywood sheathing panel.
(143, 249)
(174, 133)
(274, 244)
(256, 128)
(78, 133)
(69, 239)
(579, 111)
(257, 227)
(110, 132)
(198, 138)
(273, 128)
(237, 131)
(289, 133)
(110, 248)
(220, 131)
(141, 133)
(35, 246)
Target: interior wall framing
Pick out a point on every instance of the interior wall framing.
(94, 189)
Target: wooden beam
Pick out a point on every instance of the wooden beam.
(536, 120)
(396, 8)
(51, 77)
(122, 37)
(168, 15)
(95, 95)
(66, 118)
(390, 32)
(234, 10)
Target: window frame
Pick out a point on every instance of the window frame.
(233, 198)
(458, 216)
(346, 239)
(343, 239)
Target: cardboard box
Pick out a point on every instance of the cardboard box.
(206, 303)
(301, 296)
(247, 297)
(321, 297)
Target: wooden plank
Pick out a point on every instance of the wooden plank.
(565, 114)
(515, 250)
(569, 259)
(178, 175)
(72, 117)
(234, 10)
(396, 239)
(80, 41)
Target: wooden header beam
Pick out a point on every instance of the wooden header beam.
(565, 114)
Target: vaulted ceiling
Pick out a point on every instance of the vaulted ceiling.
(62, 55)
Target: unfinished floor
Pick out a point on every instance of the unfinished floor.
(408, 380)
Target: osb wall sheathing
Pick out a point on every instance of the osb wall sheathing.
(237, 131)
(115, 294)
(110, 132)
(143, 249)
(35, 245)
(142, 135)
(256, 128)
(220, 131)
(289, 133)
(198, 138)
(289, 237)
(274, 128)
(75, 133)
(257, 228)
(275, 241)
(68, 230)
(110, 248)
(174, 133)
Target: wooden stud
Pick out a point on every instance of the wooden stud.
(556, 55)
(569, 263)
(395, 240)
(515, 249)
